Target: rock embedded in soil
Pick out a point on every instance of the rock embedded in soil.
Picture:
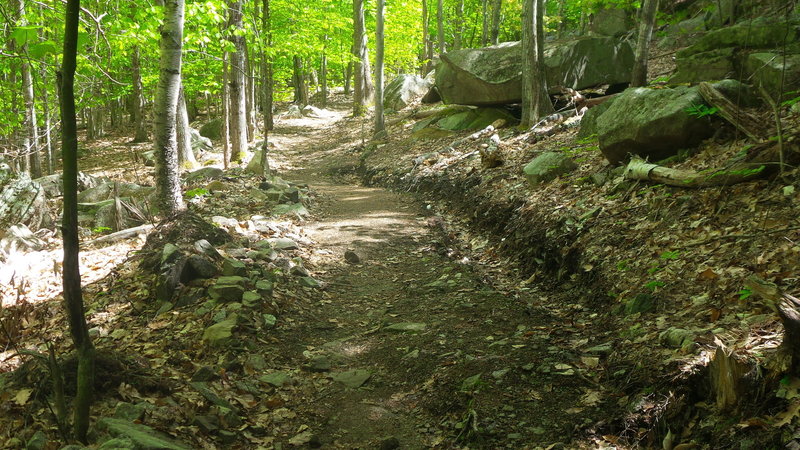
(406, 327)
(277, 379)
(204, 174)
(283, 244)
(129, 411)
(352, 257)
(310, 282)
(353, 379)
(320, 363)
(547, 166)
(232, 267)
(141, 435)
(220, 333)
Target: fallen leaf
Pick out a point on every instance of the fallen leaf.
(22, 396)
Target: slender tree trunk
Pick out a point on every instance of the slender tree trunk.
(226, 114)
(324, 77)
(166, 106)
(186, 159)
(459, 35)
(364, 92)
(238, 107)
(73, 297)
(562, 17)
(496, 10)
(535, 101)
(299, 82)
(647, 21)
(440, 26)
(426, 64)
(266, 72)
(348, 76)
(50, 157)
(250, 94)
(380, 119)
(138, 98)
(485, 33)
(31, 134)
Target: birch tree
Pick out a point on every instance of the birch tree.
(535, 101)
(380, 121)
(238, 105)
(165, 130)
(648, 19)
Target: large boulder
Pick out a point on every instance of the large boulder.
(611, 22)
(762, 32)
(404, 90)
(652, 123)
(200, 143)
(493, 75)
(22, 200)
(53, 185)
(775, 73)
(457, 118)
(109, 190)
(710, 65)
(212, 129)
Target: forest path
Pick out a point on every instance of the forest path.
(409, 348)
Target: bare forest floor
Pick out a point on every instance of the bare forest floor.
(481, 314)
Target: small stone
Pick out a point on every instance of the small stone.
(353, 379)
(310, 283)
(283, 244)
(319, 364)
(226, 292)
(352, 257)
(251, 298)
(220, 333)
(231, 267)
(204, 247)
(205, 373)
(299, 271)
(406, 327)
(264, 288)
(201, 268)
(129, 411)
(269, 320)
(169, 253)
(277, 379)
(676, 337)
(390, 444)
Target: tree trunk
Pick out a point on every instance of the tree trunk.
(138, 98)
(425, 66)
(266, 71)
(380, 120)
(50, 156)
(562, 17)
(459, 34)
(186, 158)
(440, 26)
(364, 92)
(348, 76)
(250, 97)
(647, 21)
(485, 33)
(324, 77)
(73, 298)
(226, 116)
(299, 82)
(496, 10)
(535, 101)
(168, 186)
(30, 139)
(238, 106)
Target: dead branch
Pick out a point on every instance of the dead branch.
(120, 235)
(742, 120)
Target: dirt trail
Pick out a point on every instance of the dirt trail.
(450, 360)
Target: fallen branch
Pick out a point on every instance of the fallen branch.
(120, 235)
(788, 308)
(742, 120)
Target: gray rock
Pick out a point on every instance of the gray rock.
(53, 185)
(18, 238)
(111, 189)
(200, 143)
(142, 436)
(233, 267)
(129, 411)
(220, 333)
(407, 327)
(251, 298)
(473, 119)
(651, 123)
(762, 32)
(283, 244)
(254, 165)
(113, 218)
(22, 200)
(405, 89)
(493, 75)
(227, 292)
(37, 441)
(547, 166)
(298, 271)
(320, 363)
(204, 247)
(714, 64)
(201, 268)
(641, 303)
(290, 208)
(775, 74)
(611, 22)
(293, 112)
(310, 282)
(589, 120)
(313, 111)
(277, 379)
(264, 288)
(676, 337)
(212, 129)
(352, 257)
(204, 174)
(353, 379)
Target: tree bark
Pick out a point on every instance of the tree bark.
(299, 82)
(440, 26)
(380, 120)
(458, 39)
(647, 21)
(168, 186)
(348, 76)
(186, 158)
(50, 156)
(364, 92)
(324, 77)
(73, 297)
(497, 8)
(535, 101)
(238, 106)
(250, 97)
(138, 98)
(31, 135)
(425, 64)
(226, 116)
(266, 72)
(485, 31)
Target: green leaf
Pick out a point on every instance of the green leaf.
(25, 35)
(43, 48)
